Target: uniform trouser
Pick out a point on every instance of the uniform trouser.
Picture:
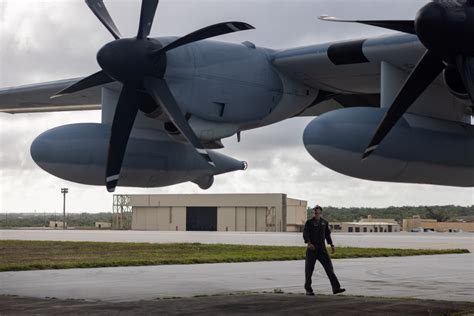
(323, 257)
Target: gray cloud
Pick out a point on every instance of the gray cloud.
(59, 39)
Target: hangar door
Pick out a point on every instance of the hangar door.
(201, 218)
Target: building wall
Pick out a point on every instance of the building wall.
(359, 227)
(447, 226)
(295, 214)
(159, 218)
(367, 225)
(378, 220)
(235, 212)
(226, 219)
(413, 223)
(240, 219)
(261, 219)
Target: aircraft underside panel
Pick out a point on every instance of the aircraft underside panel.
(417, 150)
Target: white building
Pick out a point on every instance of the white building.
(367, 225)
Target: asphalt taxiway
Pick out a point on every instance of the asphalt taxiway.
(247, 304)
(439, 277)
(379, 240)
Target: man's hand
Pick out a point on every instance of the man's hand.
(333, 249)
(311, 246)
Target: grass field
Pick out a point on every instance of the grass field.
(16, 255)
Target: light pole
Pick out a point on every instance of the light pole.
(64, 191)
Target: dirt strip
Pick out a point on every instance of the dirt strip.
(242, 304)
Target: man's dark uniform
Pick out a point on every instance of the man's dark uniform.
(315, 232)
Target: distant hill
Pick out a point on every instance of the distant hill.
(440, 213)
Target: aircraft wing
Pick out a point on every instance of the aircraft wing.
(37, 98)
(357, 72)
(332, 101)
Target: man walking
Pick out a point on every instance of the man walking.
(316, 230)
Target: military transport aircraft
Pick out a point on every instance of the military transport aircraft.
(395, 108)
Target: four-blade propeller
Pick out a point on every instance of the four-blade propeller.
(446, 29)
(139, 64)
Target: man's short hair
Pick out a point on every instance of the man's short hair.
(317, 207)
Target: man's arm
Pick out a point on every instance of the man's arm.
(328, 234)
(306, 234)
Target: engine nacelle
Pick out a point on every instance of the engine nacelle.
(417, 150)
(78, 153)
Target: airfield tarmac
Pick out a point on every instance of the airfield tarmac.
(441, 277)
(376, 240)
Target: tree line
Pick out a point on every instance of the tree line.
(82, 220)
(334, 214)
(438, 212)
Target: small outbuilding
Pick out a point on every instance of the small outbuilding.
(56, 224)
(102, 225)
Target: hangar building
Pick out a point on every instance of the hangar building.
(210, 212)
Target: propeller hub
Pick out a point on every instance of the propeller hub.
(446, 28)
(129, 59)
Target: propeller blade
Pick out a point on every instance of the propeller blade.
(207, 32)
(100, 11)
(97, 79)
(466, 69)
(162, 95)
(405, 26)
(147, 15)
(124, 117)
(425, 72)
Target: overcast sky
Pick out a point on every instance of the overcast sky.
(50, 40)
